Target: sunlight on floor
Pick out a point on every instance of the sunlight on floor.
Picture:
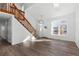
(30, 40)
(40, 40)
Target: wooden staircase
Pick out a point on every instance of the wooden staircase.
(11, 8)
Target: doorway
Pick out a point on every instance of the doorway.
(3, 29)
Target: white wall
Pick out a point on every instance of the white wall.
(49, 13)
(19, 33)
(10, 30)
(77, 25)
(31, 19)
(70, 19)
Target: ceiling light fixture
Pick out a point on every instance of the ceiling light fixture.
(56, 5)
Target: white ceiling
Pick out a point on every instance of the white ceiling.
(48, 11)
(26, 5)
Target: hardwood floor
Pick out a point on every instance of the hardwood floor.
(39, 48)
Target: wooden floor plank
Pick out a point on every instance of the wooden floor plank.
(39, 48)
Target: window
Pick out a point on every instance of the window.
(63, 29)
(55, 30)
(58, 28)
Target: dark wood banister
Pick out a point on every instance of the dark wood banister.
(12, 9)
(23, 16)
(18, 9)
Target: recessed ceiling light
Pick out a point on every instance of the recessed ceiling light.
(56, 5)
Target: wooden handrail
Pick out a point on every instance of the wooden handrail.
(19, 15)
(17, 9)
(23, 15)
